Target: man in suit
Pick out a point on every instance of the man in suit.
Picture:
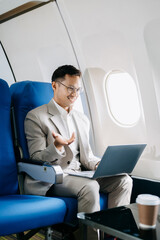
(59, 134)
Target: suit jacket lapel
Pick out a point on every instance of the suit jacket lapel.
(56, 118)
(80, 124)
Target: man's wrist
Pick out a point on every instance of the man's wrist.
(58, 146)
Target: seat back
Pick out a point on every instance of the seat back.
(26, 96)
(8, 170)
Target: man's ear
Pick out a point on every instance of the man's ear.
(54, 85)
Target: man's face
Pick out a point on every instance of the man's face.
(63, 94)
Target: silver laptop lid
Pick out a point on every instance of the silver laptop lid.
(119, 159)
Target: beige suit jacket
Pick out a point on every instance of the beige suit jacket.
(39, 125)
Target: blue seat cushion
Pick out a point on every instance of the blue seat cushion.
(72, 207)
(103, 201)
(19, 213)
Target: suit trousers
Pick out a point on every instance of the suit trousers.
(87, 191)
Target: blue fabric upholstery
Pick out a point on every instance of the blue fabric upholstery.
(27, 95)
(20, 212)
(8, 171)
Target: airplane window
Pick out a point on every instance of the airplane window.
(122, 98)
(6, 71)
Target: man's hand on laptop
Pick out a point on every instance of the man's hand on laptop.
(60, 141)
(97, 165)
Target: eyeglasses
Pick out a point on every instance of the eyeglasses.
(72, 89)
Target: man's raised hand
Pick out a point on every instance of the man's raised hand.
(60, 141)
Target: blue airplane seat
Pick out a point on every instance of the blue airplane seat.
(27, 95)
(19, 213)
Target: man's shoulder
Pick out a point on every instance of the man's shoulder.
(38, 110)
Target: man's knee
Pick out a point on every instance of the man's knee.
(90, 191)
(88, 197)
(91, 188)
(127, 181)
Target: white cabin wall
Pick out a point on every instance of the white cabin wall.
(152, 40)
(113, 35)
(99, 36)
(37, 43)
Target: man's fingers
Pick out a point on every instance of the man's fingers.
(73, 135)
(54, 134)
(61, 140)
(72, 138)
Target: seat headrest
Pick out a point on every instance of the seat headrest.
(31, 94)
(5, 97)
(26, 96)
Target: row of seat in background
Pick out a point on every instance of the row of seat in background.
(19, 213)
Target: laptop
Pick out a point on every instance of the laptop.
(117, 160)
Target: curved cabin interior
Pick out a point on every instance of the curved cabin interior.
(115, 44)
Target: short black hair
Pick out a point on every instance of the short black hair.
(61, 71)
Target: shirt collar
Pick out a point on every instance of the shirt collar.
(61, 110)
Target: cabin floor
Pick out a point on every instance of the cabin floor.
(39, 236)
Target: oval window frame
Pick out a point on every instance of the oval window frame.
(111, 112)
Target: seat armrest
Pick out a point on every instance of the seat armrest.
(35, 161)
(45, 173)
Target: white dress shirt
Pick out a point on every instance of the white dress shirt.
(70, 126)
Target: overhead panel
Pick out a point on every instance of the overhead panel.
(37, 43)
(10, 8)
